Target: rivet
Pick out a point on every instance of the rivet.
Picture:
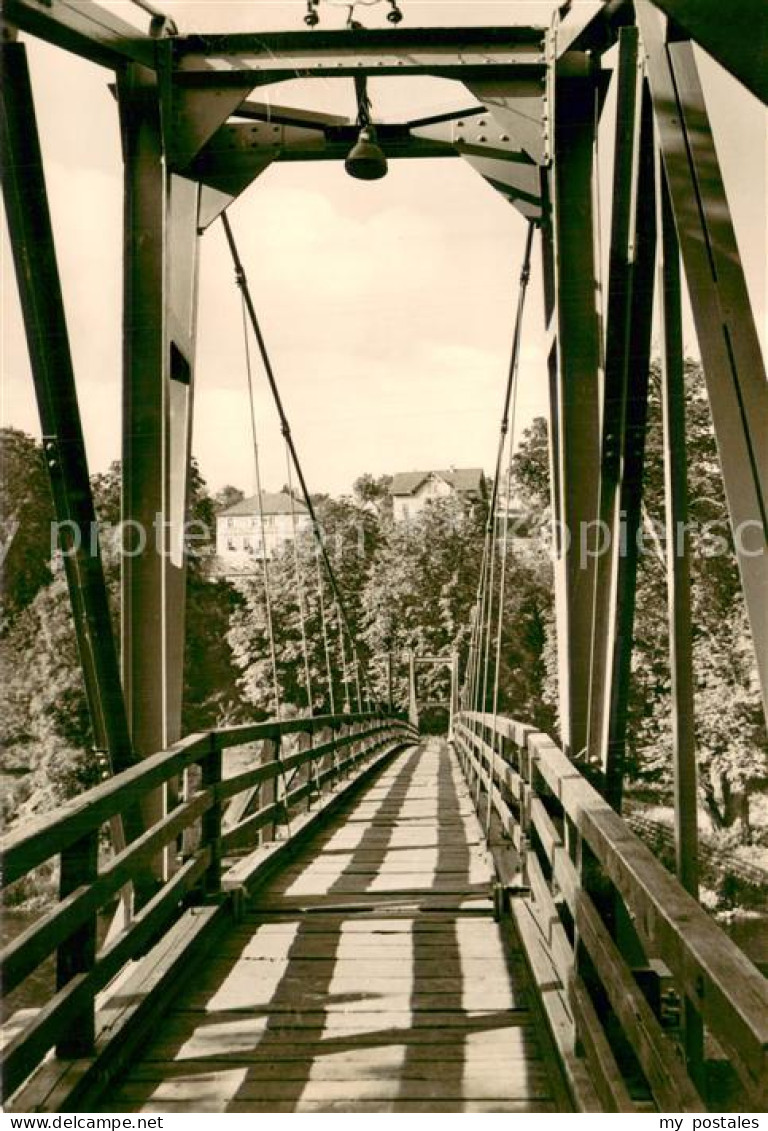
(504, 137)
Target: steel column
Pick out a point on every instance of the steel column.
(625, 535)
(37, 273)
(629, 81)
(678, 550)
(570, 295)
(730, 349)
(161, 212)
(679, 587)
(736, 38)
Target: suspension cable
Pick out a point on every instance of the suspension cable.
(514, 366)
(489, 619)
(500, 622)
(344, 674)
(483, 627)
(299, 586)
(262, 524)
(324, 624)
(525, 275)
(242, 282)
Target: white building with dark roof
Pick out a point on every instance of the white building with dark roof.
(239, 528)
(412, 490)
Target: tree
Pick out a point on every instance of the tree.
(374, 493)
(351, 537)
(227, 497)
(47, 741)
(731, 744)
(530, 465)
(26, 518)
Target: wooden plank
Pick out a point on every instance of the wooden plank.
(253, 1037)
(25, 1051)
(370, 999)
(362, 1106)
(226, 1083)
(542, 907)
(725, 986)
(553, 1001)
(267, 1058)
(659, 1057)
(123, 1018)
(43, 837)
(28, 950)
(606, 1074)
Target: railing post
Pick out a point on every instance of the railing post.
(270, 752)
(454, 705)
(325, 762)
(354, 748)
(304, 741)
(337, 729)
(211, 768)
(79, 866)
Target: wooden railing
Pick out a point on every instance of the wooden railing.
(641, 972)
(292, 766)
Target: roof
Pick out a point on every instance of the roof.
(465, 480)
(273, 502)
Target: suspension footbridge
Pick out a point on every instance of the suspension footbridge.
(349, 916)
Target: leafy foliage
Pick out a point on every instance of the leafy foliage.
(47, 753)
(351, 538)
(26, 514)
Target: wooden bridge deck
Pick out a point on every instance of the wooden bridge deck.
(368, 976)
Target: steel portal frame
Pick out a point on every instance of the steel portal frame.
(192, 141)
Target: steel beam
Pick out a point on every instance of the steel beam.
(625, 545)
(679, 588)
(460, 53)
(627, 357)
(37, 273)
(737, 37)
(678, 548)
(83, 27)
(599, 32)
(494, 141)
(161, 216)
(571, 309)
(730, 349)
(629, 80)
(240, 151)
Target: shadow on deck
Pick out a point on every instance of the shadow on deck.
(368, 976)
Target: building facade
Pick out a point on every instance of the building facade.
(239, 528)
(413, 490)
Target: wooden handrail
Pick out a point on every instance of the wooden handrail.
(557, 810)
(72, 832)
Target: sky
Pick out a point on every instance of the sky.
(387, 307)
